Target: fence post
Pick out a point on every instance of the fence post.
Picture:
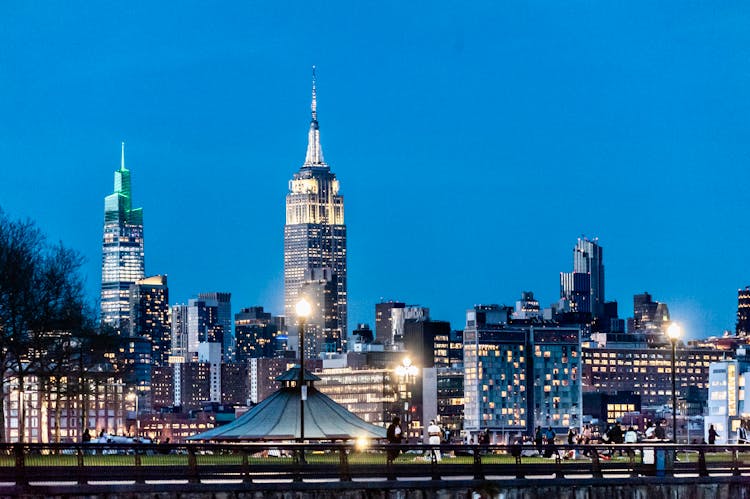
(137, 463)
(519, 468)
(344, 473)
(735, 462)
(634, 467)
(245, 467)
(596, 467)
(192, 465)
(299, 458)
(81, 466)
(433, 464)
(20, 464)
(702, 468)
(478, 471)
(558, 466)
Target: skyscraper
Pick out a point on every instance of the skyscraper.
(743, 311)
(150, 317)
(223, 327)
(584, 287)
(256, 333)
(384, 320)
(314, 234)
(122, 251)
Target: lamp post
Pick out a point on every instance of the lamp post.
(303, 310)
(406, 372)
(673, 331)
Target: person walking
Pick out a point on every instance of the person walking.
(539, 439)
(741, 434)
(434, 433)
(712, 434)
(394, 436)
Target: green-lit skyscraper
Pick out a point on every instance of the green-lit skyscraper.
(122, 251)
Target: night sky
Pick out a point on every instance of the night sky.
(474, 143)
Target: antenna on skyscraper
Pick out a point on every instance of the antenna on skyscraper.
(314, 105)
(122, 159)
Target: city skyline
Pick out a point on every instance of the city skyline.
(451, 127)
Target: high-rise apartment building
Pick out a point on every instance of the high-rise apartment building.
(257, 334)
(151, 317)
(743, 311)
(314, 234)
(322, 330)
(650, 319)
(384, 320)
(222, 326)
(519, 377)
(122, 251)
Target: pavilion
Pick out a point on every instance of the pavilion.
(277, 418)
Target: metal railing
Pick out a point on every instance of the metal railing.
(24, 464)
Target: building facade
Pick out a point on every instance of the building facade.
(743, 312)
(519, 377)
(150, 316)
(122, 251)
(256, 334)
(315, 233)
(384, 322)
(647, 371)
(727, 395)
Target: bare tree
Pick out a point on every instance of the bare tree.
(41, 302)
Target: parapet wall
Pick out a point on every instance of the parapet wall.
(737, 487)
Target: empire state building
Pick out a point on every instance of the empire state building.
(315, 247)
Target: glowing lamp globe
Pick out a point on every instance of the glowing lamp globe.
(303, 308)
(674, 331)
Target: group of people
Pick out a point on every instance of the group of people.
(742, 434)
(395, 435)
(544, 441)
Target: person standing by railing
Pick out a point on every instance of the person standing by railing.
(741, 434)
(394, 436)
(712, 434)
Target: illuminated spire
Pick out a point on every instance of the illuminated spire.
(122, 159)
(314, 156)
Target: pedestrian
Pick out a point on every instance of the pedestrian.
(712, 434)
(86, 438)
(538, 439)
(741, 434)
(661, 433)
(394, 436)
(434, 433)
(550, 448)
(631, 437)
(571, 436)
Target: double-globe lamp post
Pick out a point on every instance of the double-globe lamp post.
(303, 309)
(674, 331)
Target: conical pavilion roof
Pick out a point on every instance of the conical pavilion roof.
(277, 418)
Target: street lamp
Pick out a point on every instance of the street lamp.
(303, 310)
(133, 397)
(406, 372)
(673, 331)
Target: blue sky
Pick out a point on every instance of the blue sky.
(474, 142)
